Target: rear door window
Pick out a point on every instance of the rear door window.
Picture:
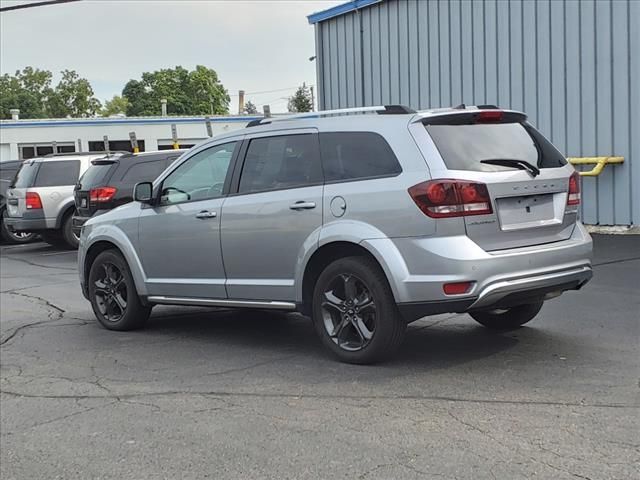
(356, 155)
(463, 147)
(58, 173)
(144, 171)
(284, 161)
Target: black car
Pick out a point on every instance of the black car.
(109, 182)
(7, 173)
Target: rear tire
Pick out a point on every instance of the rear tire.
(68, 236)
(113, 293)
(508, 318)
(355, 313)
(9, 236)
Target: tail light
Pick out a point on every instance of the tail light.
(451, 198)
(32, 200)
(574, 189)
(102, 194)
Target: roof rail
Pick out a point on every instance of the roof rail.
(77, 154)
(380, 109)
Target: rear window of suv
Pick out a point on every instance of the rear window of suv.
(464, 146)
(95, 174)
(26, 174)
(57, 173)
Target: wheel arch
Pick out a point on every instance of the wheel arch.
(327, 254)
(67, 209)
(99, 241)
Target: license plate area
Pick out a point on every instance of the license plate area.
(528, 211)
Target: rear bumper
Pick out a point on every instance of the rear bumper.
(423, 265)
(19, 224)
(77, 222)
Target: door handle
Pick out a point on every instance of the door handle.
(206, 214)
(302, 205)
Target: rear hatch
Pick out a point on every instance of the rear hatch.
(527, 179)
(96, 176)
(16, 193)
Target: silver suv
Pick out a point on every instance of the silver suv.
(40, 198)
(363, 219)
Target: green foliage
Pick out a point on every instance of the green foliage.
(115, 106)
(30, 91)
(301, 100)
(250, 108)
(27, 90)
(73, 97)
(197, 92)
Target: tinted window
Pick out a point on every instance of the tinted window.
(143, 171)
(8, 173)
(463, 146)
(281, 162)
(26, 174)
(53, 174)
(202, 176)
(95, 175)
(352, 155)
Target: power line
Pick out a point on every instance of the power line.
(35, 4)
(267, 91)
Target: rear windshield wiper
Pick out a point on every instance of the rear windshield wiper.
(509, 162)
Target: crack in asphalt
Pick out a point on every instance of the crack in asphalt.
(34, 264)
(612, 262)
(55, 313)
(222, 393)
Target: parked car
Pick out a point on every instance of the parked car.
(7, 172)
(40, 198)
(364, 222)
(109, 182)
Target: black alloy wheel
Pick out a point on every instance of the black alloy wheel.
(349, 312)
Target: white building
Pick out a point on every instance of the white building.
(23, 139)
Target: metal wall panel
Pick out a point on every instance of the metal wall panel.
(572, 65)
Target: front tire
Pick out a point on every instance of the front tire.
(508, 318)
(355, 313)
(113, 294)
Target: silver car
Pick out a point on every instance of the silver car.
(363, 219)
(40, 198)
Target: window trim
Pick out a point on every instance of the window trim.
(237, 174)
(359, 179)
(227, 180)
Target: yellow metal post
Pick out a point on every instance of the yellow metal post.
(174, 136)
(599, 162)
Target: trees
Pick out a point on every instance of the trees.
(27, 90)
(73, 97)
(30, 90)
(187, 92)
(301, 100)
(250, 108)
(117, 105)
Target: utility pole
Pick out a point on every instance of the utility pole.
(313, 100)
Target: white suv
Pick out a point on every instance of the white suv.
(40, 198)
(363, 219)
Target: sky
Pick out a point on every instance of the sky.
(257, 46)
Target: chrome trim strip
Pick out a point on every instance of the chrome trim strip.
(494, 292)
(207, 302)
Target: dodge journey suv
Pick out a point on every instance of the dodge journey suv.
(363, 219)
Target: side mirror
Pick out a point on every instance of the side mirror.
(143, 192)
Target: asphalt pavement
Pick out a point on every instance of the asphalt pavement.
(218, 394)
